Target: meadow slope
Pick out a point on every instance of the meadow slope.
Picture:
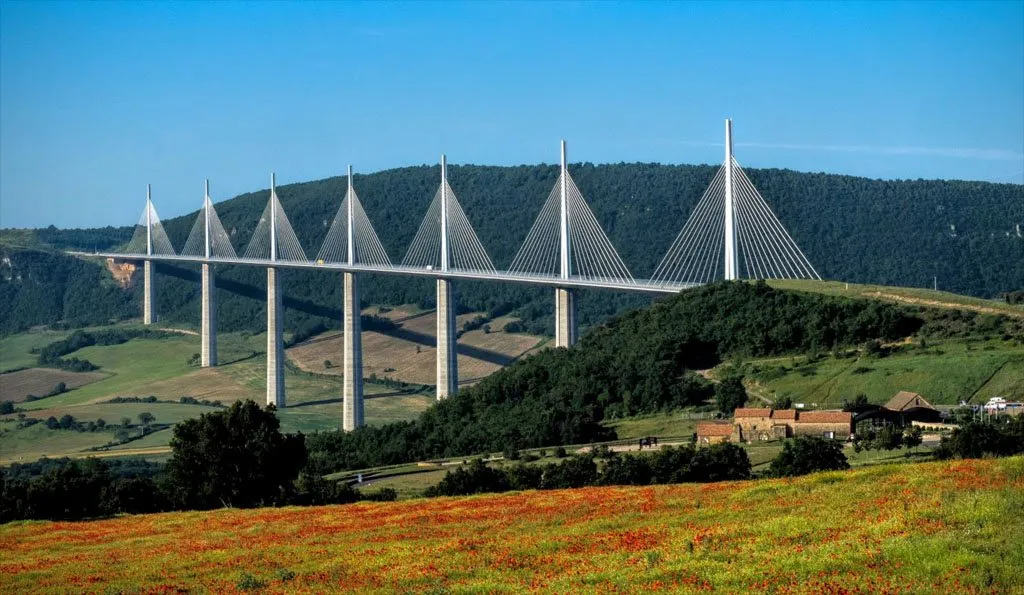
(925, 528)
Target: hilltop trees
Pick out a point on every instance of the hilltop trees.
(235, 457)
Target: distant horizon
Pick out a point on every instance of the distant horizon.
(218, 200)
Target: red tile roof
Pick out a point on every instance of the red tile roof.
(714, 429)
(825, 417)
(784, 414)
(752, 412)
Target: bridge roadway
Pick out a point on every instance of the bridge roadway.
(340, 267)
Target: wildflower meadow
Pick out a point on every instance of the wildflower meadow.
(948, 527)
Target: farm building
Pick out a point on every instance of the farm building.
(716, 432)
(912, 407)
(828, 424)
(767, 424)
(753, 422)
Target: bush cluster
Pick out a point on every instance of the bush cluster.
(1000, 437)
(720, 462)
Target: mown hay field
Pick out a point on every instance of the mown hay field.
(17, 386)
(947, 527)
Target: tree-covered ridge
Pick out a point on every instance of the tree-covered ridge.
(639, 363)
(859, 230)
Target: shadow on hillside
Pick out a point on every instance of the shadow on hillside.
(339, 400)
(259, 293)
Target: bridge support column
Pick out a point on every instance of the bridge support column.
(565, 318)
(352, 416)
(208, 338)
(275, 342)
(447, 362)
(148, 294)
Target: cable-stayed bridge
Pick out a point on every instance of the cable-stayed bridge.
(731, 234)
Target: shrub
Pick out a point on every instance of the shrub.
(807, 454)
(574, 472)
(720, 462)
(475, 478)
(524, 477)
(975, 440)
(627, 470)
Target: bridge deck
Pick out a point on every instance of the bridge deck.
(542, 280)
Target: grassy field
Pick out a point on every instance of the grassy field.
(903, 295)
(950, 527)
(16, 350)
(945, 373)
(661, 425)
(158, 367)
(29, 444)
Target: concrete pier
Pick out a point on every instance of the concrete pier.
(352, 413)
(565, 318)
(148, 294)
(447, 362)
(208, 337)
(275, 341)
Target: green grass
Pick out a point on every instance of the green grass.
(134, 366)
(943, 373)
(900, 295)
(410, 485)
(22, 445)
(661, 425)
(15, 350)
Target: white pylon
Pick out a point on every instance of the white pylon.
(273, 219)
(444, 213)
(564, 219)
(731, 254)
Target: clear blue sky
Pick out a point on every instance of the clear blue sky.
(97, 99)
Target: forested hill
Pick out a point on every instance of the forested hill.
(968, 234)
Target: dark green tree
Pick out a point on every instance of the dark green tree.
(808, 454)
(730, 394)
(235, 457)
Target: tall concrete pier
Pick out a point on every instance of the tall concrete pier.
(208, 336)
(352, 415)
(565, 300)
(148, 294)
(275, 316)
(565, 318)
(352, 397)
(275, 342)
(447, 361)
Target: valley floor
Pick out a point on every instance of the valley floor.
(948, 527)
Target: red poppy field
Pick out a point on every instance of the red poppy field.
(951, 527)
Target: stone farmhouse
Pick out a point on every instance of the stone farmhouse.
(754, 424)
